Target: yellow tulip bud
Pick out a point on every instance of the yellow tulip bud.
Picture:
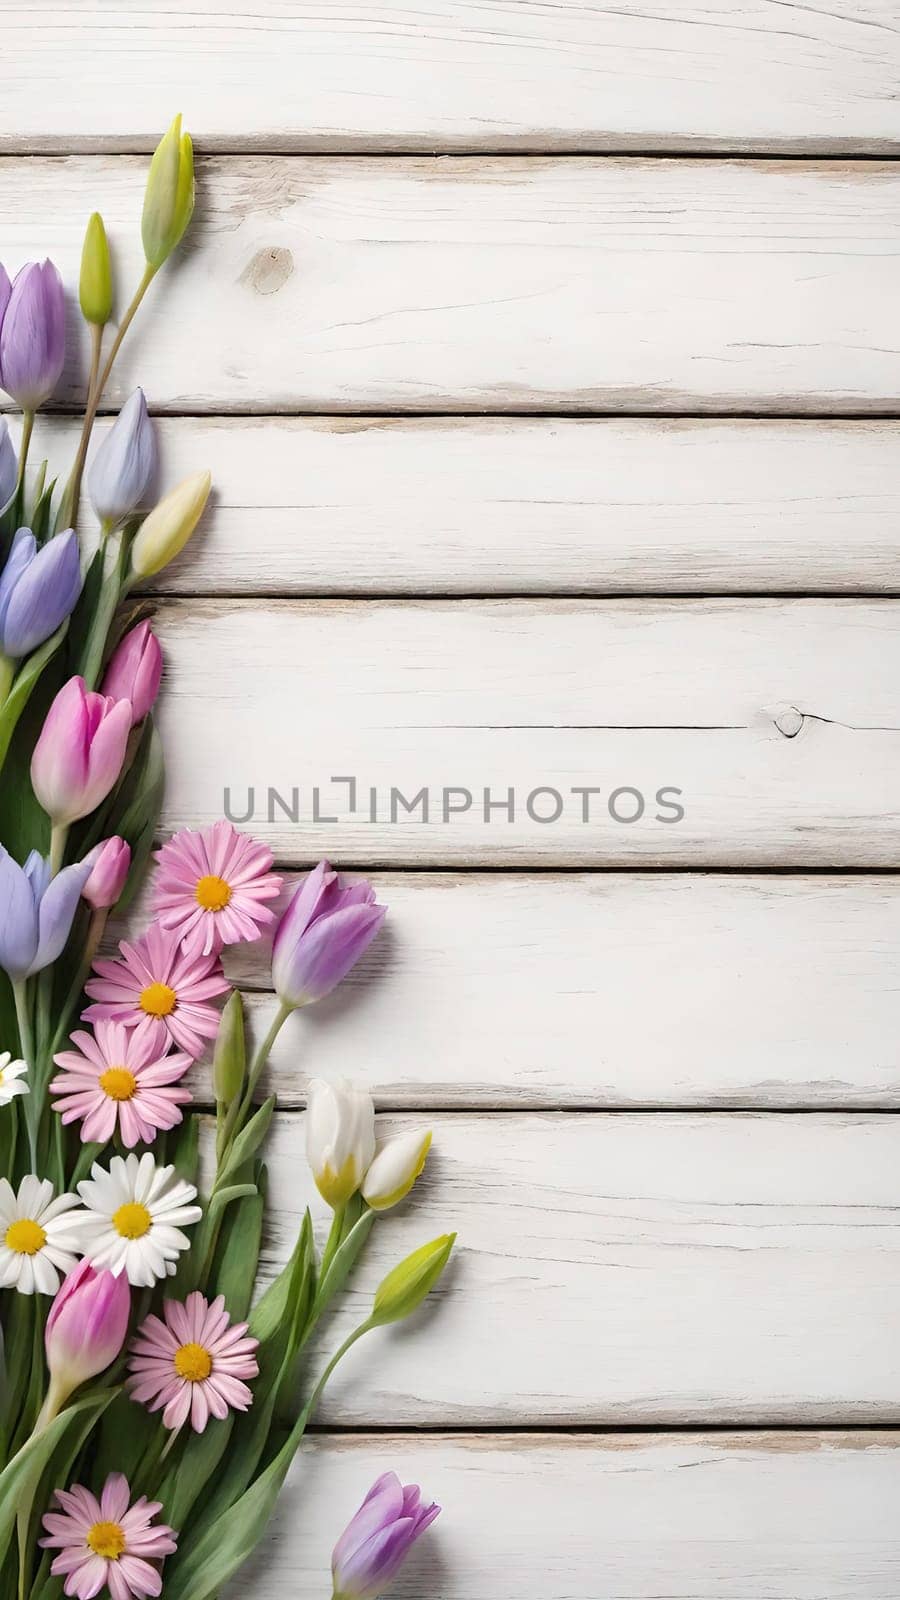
(95, 289)
(165, 532)
(404, 1289)
(169, 196)
(397, 1164)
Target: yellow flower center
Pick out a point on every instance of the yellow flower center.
(118, 1083)
(158, 1000)
(193, 1362)
(212, 893)
(106, 1539)
(132, 1220)
(25, 1237)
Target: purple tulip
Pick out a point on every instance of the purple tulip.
(9, 466)
(135, 670)
(33, 335)
(80, 752)
(36, 912)
(322, 934)
(374, 1546)
(123, 466)
(38, 590)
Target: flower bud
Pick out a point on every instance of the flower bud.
(33, 335)
(404, 1289)
(110, 864)
(395, 1169)
(95, 290)
(38, 590)
(86, 1327)
(9, 466)
(124, 464)
(169, 196)
(80, 751)
(229, 1056)
(134, 671)
(165, 532)
(376, 1542)
(340, 1138)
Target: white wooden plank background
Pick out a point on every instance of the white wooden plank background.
(785, 1516)
(497, 284)
(779, 991)
(778, 720)
(463, 73)
(644, 1268)
(628, 1269)
(470, 505)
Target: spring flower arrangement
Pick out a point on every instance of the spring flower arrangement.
(152, 1402)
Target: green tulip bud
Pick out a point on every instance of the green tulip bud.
(165, 532)
(95, 289)
(404, 1288)
(229, 1056)
(169, 196)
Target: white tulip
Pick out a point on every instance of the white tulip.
(340, 1138)
(395, 1169)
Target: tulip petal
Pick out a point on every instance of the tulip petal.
(18, 919)
(56, 912)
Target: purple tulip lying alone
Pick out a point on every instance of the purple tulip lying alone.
(375, 1544)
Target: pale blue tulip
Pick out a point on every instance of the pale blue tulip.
(124, 464)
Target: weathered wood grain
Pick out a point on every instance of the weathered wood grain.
(495, 284)
(520, 505)
(629, 1269)
(605, 990)
(461, 74)
(787, 1516)
(778, 721)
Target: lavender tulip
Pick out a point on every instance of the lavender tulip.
(36, 912)
(38, 590)
(9, 467)
(375, 1544)
(33, 335)
(323, 933)
(124, 464)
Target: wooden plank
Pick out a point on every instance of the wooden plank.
(496, 284)
(462, 74)
(767, 991)
(628, 1269)
(791, 1516)
(777, 720)
(520, 505)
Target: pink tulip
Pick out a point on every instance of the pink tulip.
(135, 670)
(80, 752)
(85, 1330)
(110, 862)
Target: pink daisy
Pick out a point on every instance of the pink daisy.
(117, 1077)
(161, 992)
(211, 886)
(106, 1542)
(193, 1362)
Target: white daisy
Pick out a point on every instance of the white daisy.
(11, 1074)
(134, 1216)
(35, 1236)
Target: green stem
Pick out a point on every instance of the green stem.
(110, 595)
(69, 508)
(32, 1107)
(332, 1244)
(7, 674)
(58, 835)
(27, 429)
(240, 1107)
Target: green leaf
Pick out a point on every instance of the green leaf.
(23, 686)
(20, 1478)
(188, 1478)
(343, 1261)
(249, 1140)
(237, 1255)
(270, 1311)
